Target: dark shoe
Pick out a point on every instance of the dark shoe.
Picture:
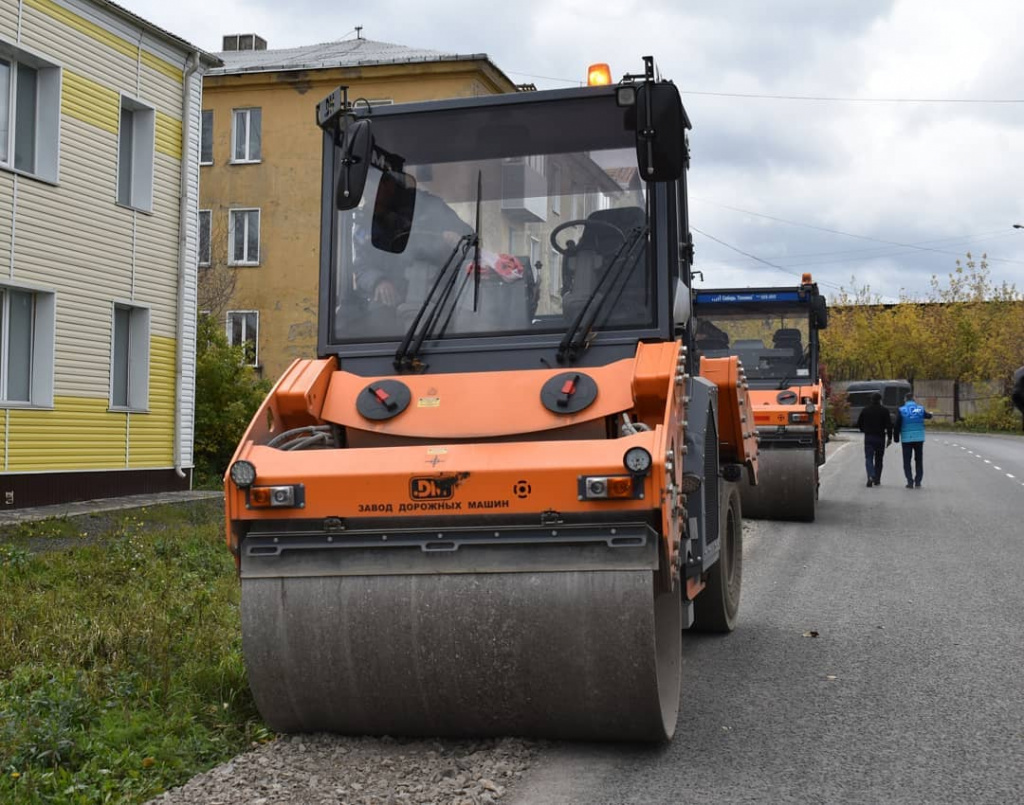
(878, 481)
(910, 485)
(870, 482)
(917, 484)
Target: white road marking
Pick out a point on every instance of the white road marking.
(985, 460)
(1008, 475)
(997, 468)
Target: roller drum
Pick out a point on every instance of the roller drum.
(787, 486)
(591, 655)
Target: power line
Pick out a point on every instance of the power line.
(848, 99)
(758, 259)
(812, 98)
(912, 246)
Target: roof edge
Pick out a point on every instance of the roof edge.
(209, 59)
(327, 65)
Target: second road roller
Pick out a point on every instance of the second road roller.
(774, 333)
(503, 489)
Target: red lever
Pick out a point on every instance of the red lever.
(569, 387)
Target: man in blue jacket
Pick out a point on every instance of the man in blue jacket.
(909, 429)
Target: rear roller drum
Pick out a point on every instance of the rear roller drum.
(568, 654)
(716, 608)
(787, 486)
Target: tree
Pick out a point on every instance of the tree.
(227, 395)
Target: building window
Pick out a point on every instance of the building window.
(29, 113)
(244, 237)
(243, 331)
(554, 280)
(129, 362)
(246, 135)
(205, 217)
(206, 139)
(136, 144)
(26, 346)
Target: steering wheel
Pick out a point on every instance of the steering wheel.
(570, 250)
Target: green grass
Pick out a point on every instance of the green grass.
(121, 670)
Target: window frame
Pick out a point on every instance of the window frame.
(46, 134)
(245, 262)
(209, 238)
(143, 157)
(138, 359)
(256, 336)
(247, 159)
(41, 346)
(202, 141)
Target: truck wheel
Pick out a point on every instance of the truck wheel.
(716, 608)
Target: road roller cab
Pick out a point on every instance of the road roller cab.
(774, 333)
(479, 512)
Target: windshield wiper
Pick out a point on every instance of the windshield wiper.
(406, 355)
(576, 338)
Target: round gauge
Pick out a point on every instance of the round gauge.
(637, 460)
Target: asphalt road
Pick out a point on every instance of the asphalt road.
(913, 690)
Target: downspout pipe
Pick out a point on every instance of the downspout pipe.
(191, 65)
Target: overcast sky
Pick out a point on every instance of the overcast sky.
(860, 192)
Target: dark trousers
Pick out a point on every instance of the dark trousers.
(915, 449)
(874, 453)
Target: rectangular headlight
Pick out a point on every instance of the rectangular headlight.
(276, 497)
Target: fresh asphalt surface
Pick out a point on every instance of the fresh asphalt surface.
(913, 690)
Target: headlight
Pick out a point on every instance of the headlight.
(243, 473)
(637, 460)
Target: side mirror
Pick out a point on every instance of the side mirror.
(355, 164)
(393, 212)
(820, 308)
(660, 132)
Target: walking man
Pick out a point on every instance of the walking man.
(875, 422)
(910, 430)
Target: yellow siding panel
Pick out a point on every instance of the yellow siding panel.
(82, 25)
(151, 436)
(176, 74)
(3, 439)
(91, 102)
(168, 135)
(78, 434)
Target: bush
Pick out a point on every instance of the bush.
(227, 395)
(997, 414)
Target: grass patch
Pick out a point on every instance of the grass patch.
(121, 670)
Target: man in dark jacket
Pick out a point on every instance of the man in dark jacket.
(875, 422)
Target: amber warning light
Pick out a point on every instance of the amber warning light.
(599, 75)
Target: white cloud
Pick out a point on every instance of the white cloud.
(907, 173)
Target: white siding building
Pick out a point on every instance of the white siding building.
(99, 139)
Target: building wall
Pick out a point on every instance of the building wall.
(71, 238)
(285, 185)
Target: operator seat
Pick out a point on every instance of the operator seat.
(583, 267)
(789, 338)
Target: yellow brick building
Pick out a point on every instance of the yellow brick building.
(260, 188)
(99, 135)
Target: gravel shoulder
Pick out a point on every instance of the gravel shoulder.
(315, 769)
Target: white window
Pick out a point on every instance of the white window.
(26, 346)
(244, 237)
(136, 143)
(206, 139)
(556, 189)
(29, 113)
(246, 135)
(129, 358)
(205, 218)
(534, 252)
(243, 331)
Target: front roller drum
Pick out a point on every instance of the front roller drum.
(592, 655)
(787, 485)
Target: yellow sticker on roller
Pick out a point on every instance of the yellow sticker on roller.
(429, 402)
(437, 451)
